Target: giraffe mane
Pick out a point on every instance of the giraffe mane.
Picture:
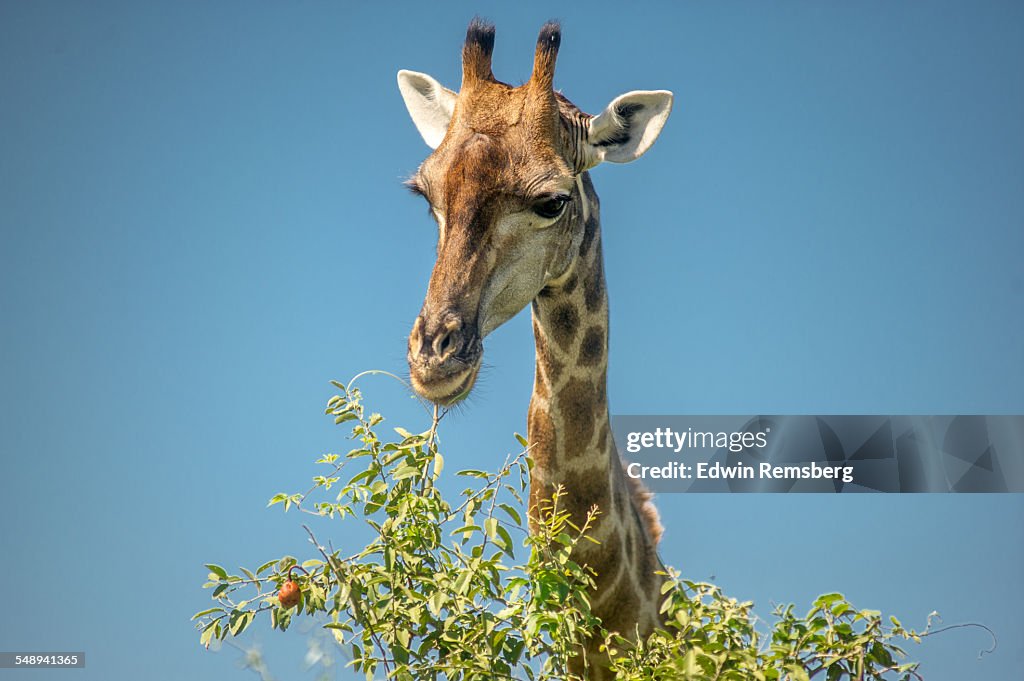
(643, 504)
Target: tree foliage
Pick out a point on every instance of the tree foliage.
(459, 589)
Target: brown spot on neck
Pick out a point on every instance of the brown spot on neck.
(594, 347)
(578, 408)
(565, 321)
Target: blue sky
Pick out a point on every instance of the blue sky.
(203, 223)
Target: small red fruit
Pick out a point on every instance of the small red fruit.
(290, 594)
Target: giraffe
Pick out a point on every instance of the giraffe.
(519, 224)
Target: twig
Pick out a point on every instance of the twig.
(356, 608)
(981, 653)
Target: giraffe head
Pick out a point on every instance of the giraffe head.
(502, 184)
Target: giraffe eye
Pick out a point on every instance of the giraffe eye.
(551, 207)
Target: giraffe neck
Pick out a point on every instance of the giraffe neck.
(568, 420)
(571, 440)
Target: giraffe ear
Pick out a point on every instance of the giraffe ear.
(628, 126)
(430, 105)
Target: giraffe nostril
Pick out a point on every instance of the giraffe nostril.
(416, 339)
(448, 340)
(445, 344)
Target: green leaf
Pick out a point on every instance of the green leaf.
(435, 602)
(206, 636)
(217, 570)
(239, 620)
(401, 473)
(506, 540)
(250, 575)
(881, 655)
(208, 611)
(522, 440)
(465, 529)
(512, 513)
(797, 673)
(827, 599)
(462, 583)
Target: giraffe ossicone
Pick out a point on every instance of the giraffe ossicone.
(519, 224)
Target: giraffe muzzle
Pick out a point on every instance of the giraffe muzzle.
(444, 357)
